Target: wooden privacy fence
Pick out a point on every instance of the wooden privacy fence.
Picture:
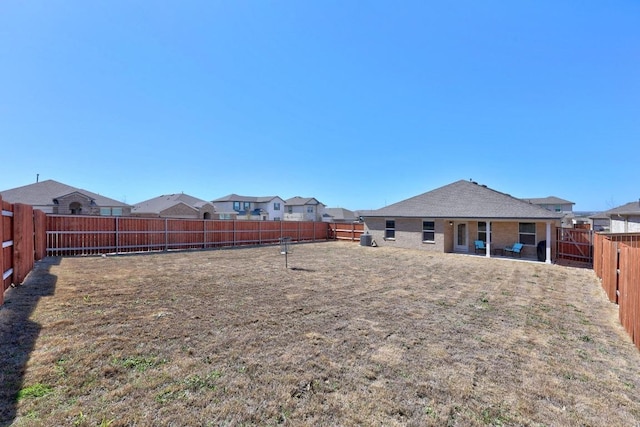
(90, 235)
(22, 234)
(617, 263)
(346, 231)
(574, 244)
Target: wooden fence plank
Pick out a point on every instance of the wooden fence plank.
(23, 243)
(84, 235)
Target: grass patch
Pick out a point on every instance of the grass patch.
(138, 363)
(34, 391)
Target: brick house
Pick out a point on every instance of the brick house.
(451, 218)
(175, 206)
(54, 197)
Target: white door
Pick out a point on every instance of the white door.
(460, 237)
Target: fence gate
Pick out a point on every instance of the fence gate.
(575, 245)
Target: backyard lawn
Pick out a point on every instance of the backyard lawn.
(348, 335)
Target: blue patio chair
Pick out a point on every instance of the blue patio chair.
(514, 249)
(480, 246)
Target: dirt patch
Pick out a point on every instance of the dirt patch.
(347, 335)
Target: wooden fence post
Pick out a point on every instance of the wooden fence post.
(2, 266)
(40, 234)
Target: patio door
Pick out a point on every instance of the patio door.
(460, 237)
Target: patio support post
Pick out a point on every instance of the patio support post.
(488, 254)
(548, 252)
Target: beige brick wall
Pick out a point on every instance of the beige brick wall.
(409, 234)
(65, 203)
(179, 210)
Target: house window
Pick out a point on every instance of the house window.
(290, 209)
(390, 229)
(75, 208)
(236, 206)
(558, 208)
(482, 232)
(105, 211)
(527, 233)
(277, 218)
(309, 209)
(276, 206)
(116, 211)
(428, 231)
(246, 206)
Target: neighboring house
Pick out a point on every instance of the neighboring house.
(235, 206)
(303, 209)
(625, 218)
(174, 206)
(451, 218)
(556, 204)
(54, 197)
(339, 215)
(552, 203)
(600, 222)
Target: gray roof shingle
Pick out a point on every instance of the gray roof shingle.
(161, 203)
(238, 198)
(464, 199)
(551, 200)
(631, 208)
(301, 201)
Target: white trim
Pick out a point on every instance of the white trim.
(7, 244)
(456, 247)
(548, 248)
(6, 274)
(7, 213)
(423, 230)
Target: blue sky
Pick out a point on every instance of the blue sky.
(359, 104)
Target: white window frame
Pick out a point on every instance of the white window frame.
(389, 229)
(487, 237)
(426, 230)
(527, 233)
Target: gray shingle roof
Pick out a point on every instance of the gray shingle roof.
(631, 208)
(301, 201)
(341, 214)
(44, 192)
(464, 199)
(161, 203)
(238, 198)
(551, 200)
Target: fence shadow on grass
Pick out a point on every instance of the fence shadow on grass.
(18, 333)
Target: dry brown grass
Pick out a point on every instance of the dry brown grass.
(350, 336)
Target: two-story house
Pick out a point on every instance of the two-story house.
(303, 209)
(558, 205)
(234, 206)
